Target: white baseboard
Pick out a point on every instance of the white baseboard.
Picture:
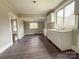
(32, 33)
(76, 49)
(29, 33)
(5, 47)
(20, 36)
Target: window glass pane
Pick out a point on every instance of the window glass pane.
(14, 26)
(60, 19)
(33, 25)
(69, 18)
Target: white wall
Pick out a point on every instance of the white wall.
(5, 26)
(39, 30)
(20, 28)
(32, 18)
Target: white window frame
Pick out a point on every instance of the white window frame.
(64, 15)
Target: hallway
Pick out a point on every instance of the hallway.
(35, 47)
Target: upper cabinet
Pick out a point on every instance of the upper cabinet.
(76, 7)
(51, 21)
(50, 18)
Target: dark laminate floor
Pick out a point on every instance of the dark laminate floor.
(36, 47)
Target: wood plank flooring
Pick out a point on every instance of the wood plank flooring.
(36, 47)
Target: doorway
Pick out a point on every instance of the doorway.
(14, 30)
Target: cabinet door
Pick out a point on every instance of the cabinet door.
(74, 40)
(76, 6)
(48, 18)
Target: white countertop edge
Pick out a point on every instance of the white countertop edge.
(61, 30)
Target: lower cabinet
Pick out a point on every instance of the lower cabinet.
(63, 40)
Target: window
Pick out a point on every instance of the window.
(69, 17)
(66, 17)
(60, 19)
(14, 25)
(33, 25)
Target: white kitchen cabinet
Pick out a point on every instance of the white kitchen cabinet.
(75, 41)
(50, 18)
(62, 39)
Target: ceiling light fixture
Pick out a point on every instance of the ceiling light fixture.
(34, 1)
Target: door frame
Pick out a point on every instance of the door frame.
(11, 18)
